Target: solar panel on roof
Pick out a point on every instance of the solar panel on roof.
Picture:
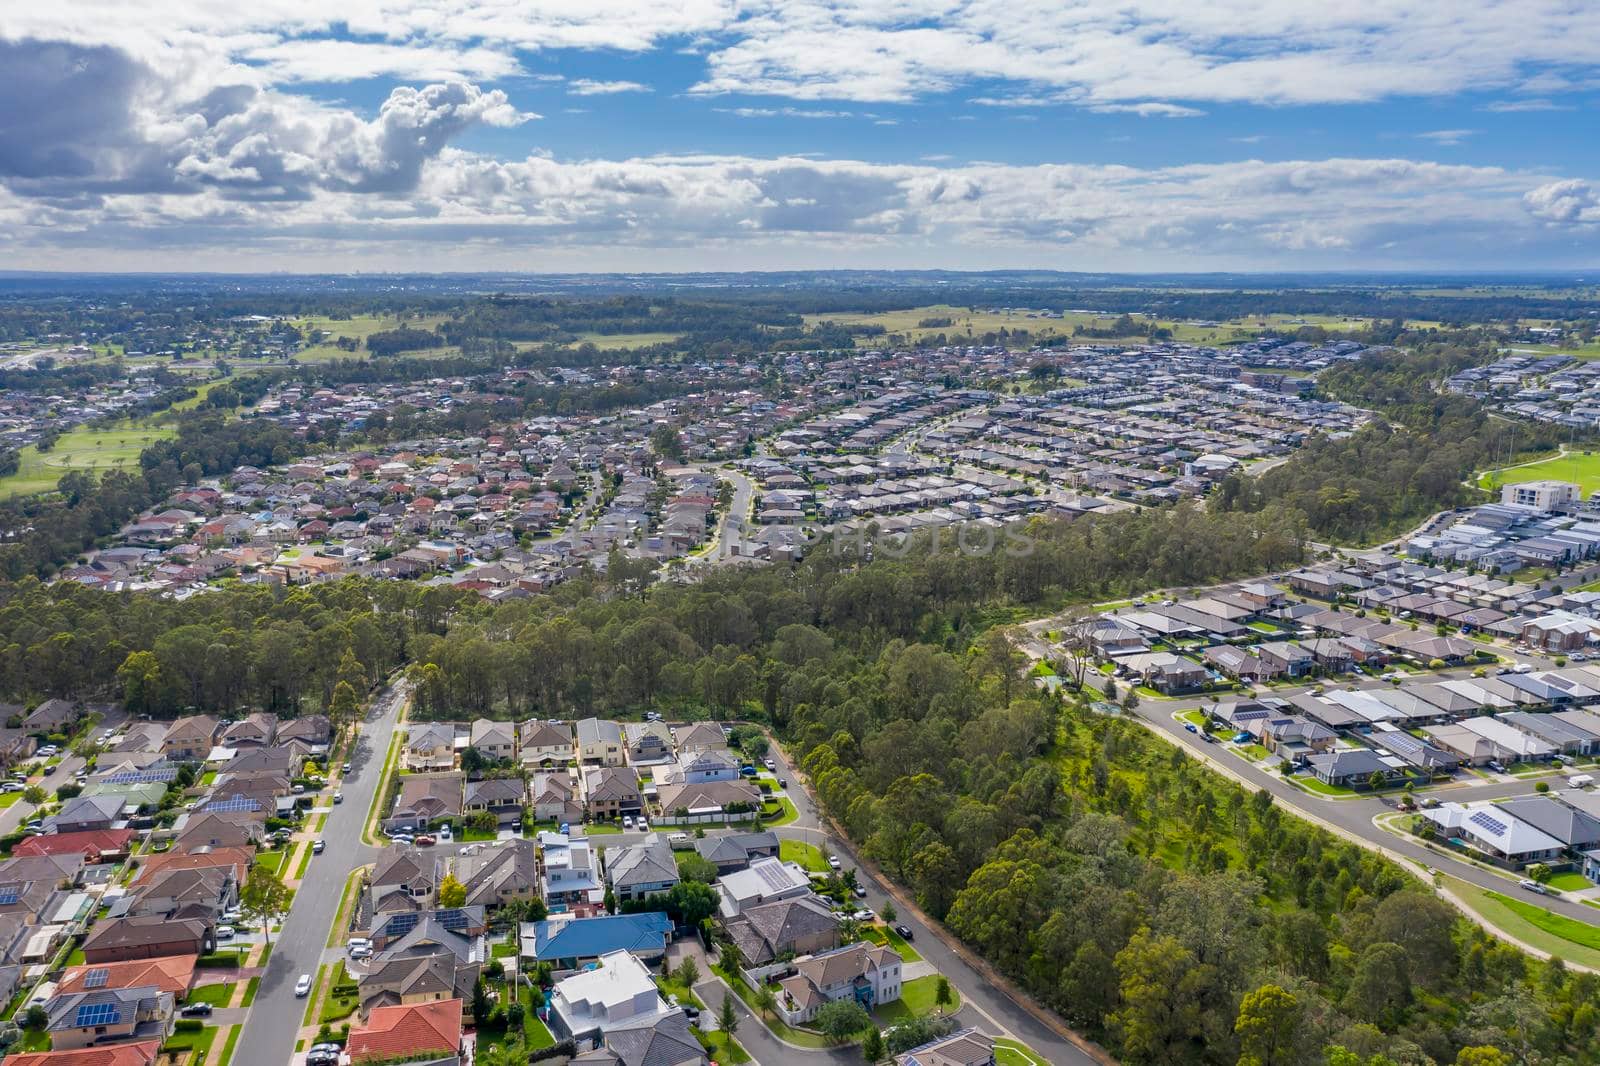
(400, 924)
(96, 978)
(238, 803)
(97, 1014)
(1487, 821)
(8, 896)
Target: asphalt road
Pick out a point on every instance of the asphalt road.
(1354, 816)
(274, 1021)
(15, 816)
(984, 1005)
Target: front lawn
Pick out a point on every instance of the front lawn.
(671, 986)
(1573, 940)
(8, 798)
(1311, 784)
(882, 934)
(720, 1047)
(503, 949)
(217, 994)
(272, 860)
(809, 856)
(340, 1004)
(916, 999)
(197, 1041)
(783, 815)
(1570, 882)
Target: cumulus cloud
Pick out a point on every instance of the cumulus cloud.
(1573, 200)
(117, 126)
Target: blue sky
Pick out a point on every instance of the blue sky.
(768, 134)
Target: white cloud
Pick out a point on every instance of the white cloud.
(589, 87)
(1564, 201)
(1447, 138)
(1514, 106)
(1149, 110)
(782, 112)
(1084, 52)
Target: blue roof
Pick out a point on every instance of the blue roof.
(583, 938)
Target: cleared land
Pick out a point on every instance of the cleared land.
(1581, 467)
(1530, 923)
(360, 327)
(613, 341)
(965, 321)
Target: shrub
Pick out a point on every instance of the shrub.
(188, 1025)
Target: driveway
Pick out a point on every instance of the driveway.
(273, 1024)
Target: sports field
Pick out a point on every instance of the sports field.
(1581, 467)
(81, 449)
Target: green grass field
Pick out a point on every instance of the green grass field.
(613, 341)
(1015, 1053)
(1581, 467)
(82, 449)
(1569, 882)
(916, 999)
(217, 994)
(360, 327)
(809, 856)
(1530, 923)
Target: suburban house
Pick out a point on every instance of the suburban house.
(600, 743)
(146, 937)
(735, 851)
(431, 746)
(409, 1030)
(253, 731)
(649, 743)
(864, 972)
(700, 767)
(620, 989)
(964, 1047)
(1351, 767)
(495, 740)
(172, 974)
(546, 744)
(569, 878)
(85, 813)
(1495, 833)
(402, 880)
(405, 979)
(313, 730)
(1164, 671)
(701, 736)
(801, 925)
(83, 1019)
(640, 870)
(555, 798)
(494, 876)
(764, 881)
(569, 943)
(425, 799)
(1285, 659)
(499, 796)
(52, 716)
(138, 1053)
(709, 799)
(190, 739)
(611, 792)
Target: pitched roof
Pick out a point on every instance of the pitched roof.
(88, 842)
(582, 938)
(142, 1053)
(169, 973)
(408, 1029)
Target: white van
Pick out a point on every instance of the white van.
(1580, 781)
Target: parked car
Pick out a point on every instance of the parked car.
(860, 891)
(317, 846)
(196, 1010)
(403, 838)
(345, 768)
(302, 987)
(642, 826)
(748, 771)
(771, 765)
(224, 932)
(338, 797)
(446, 833)
(864, 915)
(426, 841)
(13, 786)
(627, 821)
(1190, 727)
(1534, 886)
(782, 783)
(905, 932)
(833, 861)
(361, 953)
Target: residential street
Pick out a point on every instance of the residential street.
(271, 1030)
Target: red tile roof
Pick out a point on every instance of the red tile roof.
(170, 973)
(89, 843)
(142, 1053)
(392, 1031)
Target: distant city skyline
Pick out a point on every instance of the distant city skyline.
(814, 134)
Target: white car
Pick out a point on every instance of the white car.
(224, 932)
(302, 987)
(13, 786)
(359, 942)
(833, 861)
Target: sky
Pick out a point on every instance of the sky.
(624, 135)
